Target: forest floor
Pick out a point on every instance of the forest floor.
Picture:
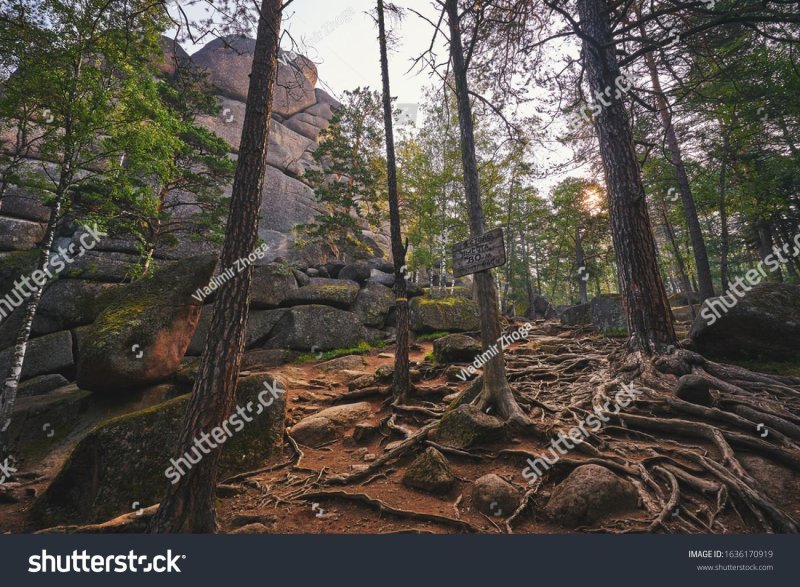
(555, 374)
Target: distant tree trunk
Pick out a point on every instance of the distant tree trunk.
(765, 247)
(647, 310)
(189, 504)
(724, 238)
(496, 392)
(685, 286)
(400, 379)
(580, 263)
(676, 156)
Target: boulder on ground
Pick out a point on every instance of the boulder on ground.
(541, 308)
(494, 496)
(449, 314)
(430, 472)
(132, 457)
(348, 362)
(264, 359)
(328, 424)
(51, 353)
(694, 389)
(373, 304)
(608, 316)
(338, 293)
(679, 299)
(588, 494)
(456, 348)
(579, 315)
(316, 328)
(142, 336)
(764, 324)
(467, 426)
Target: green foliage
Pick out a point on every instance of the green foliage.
(351, 179)
(360, 349)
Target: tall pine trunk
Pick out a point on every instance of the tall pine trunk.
(647, 310)
(400, 379)
(188, 505)
(687, 199)
(496, 392)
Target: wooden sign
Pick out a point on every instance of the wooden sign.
(479, 253)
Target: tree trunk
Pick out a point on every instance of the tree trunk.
(188, 505)
(400, 379)
(693, 223)
(8, 396)
(647, 311)
(580, 263)
(724, 238)
(685, 286)
(496, 393)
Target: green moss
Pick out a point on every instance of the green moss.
(431, 336)
(616, 333)
(787, 369)
(361, 348)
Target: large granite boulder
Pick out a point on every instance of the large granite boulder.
(287, 202)
(608, 315)
(373, 304)
(227, 61)
(47, 354)
(316, 328)
(338, 293)
(142, 336)
(19, 235)
(271, 285)
(132, 458)
(579, 315)
(449, 314)
(764, 324)
(67, 303)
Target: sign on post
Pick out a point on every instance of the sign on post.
(479, 253)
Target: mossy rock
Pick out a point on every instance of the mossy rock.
(125, 459)
(338, 293)
(450, 314)
(316, 328)
(467, 426)
(430, 472)
(142, 336)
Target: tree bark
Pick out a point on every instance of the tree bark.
(496, 393)
(188, 505)
(647, 311)
(580, 262)
(401, 378)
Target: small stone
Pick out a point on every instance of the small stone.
(255, 528)
(369, 457)
(494, 496)
(694, 389)
(430, 472)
